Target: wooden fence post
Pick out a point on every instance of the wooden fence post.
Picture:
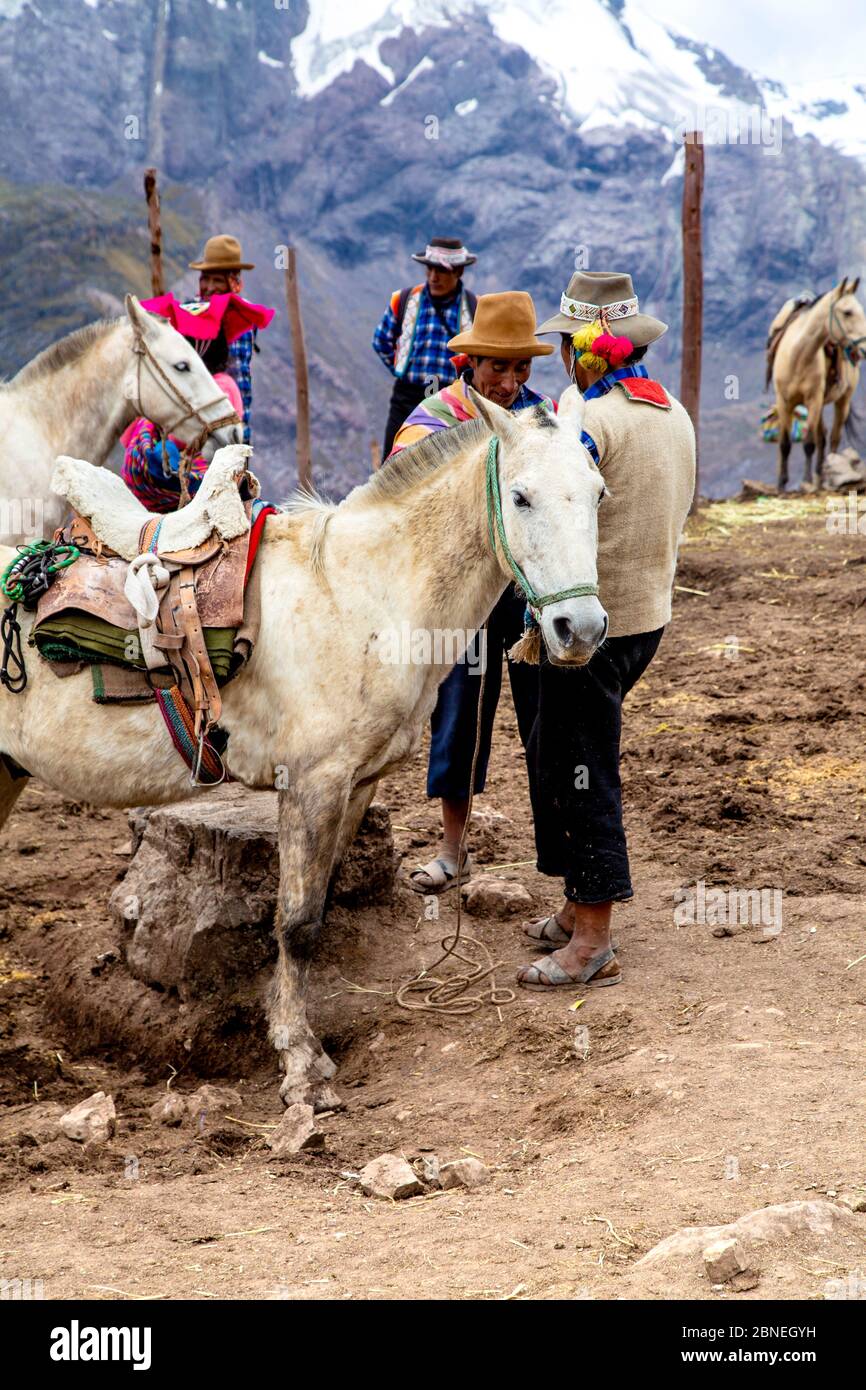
(693, 286)
(302, 390)
(154, 227)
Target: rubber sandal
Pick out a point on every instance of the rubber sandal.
(440, 875)
(548, 974)
(549, 935)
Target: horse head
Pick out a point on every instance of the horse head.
(168, 383)
(547, 529)
(847, 316)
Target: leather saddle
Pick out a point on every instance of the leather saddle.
(168, 575)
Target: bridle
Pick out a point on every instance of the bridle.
(850, 346)
(146, 357)
(496, 530)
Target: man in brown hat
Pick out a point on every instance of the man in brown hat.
(219, 271)
(643, 442)
(412, 336)
(495, 357)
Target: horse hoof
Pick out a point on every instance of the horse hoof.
(312, 1091)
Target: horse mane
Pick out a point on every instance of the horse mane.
(62, 353)
(397, 476)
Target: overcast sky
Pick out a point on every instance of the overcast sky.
(790, 40)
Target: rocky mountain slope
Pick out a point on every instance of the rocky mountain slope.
(544, 134)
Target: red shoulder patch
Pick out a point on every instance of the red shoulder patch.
(641, 388)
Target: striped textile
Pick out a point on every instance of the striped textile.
(451, 406)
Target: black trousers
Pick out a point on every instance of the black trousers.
(573, 760)
(404, 398)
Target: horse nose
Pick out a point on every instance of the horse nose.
(588, 636)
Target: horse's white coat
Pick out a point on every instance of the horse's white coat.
(82, 405)
(318, 709)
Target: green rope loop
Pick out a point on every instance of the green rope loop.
(494, 514)
(62, 556)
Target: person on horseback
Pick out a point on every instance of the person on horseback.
(494, 356)
(643, 441)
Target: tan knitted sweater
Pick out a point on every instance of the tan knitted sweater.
(647, 456)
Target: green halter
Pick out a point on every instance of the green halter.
(494, 510)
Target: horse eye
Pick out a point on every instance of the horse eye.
(181, 366)
(519, 498)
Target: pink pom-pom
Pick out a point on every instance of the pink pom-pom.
(613, 350)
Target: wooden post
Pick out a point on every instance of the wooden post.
(302, 390)
(693, 284)
(154, 227)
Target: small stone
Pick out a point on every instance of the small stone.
(746, 1279)
(211, 1101)
(296, 1131)
(496, 897)
(389, 1176)
(169, 1110)
(430, 1170)
(92, 1121)
(723, 1259)
(464, 1172)
(855, 1201)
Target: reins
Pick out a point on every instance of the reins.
(850, 346)
(191, 412)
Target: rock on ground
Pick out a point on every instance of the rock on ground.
(464, 1172)
(485, 896)
(199, 896)
(92, 1121)
(389, 1176)
(766, 1224)
(296, 1131)
(723, 1259)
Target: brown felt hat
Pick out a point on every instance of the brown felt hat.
(222, 253)
(504, 326)
(590, 291)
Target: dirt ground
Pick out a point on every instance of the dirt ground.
(725, 1073)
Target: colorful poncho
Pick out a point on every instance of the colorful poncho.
(451, 406)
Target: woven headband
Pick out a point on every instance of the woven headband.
(445, 255)
(576, 309)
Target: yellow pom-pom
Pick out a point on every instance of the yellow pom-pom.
(583, 340)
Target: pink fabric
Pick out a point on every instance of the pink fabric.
(229, 312)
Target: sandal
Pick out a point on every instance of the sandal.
(547, 973)
(440, 875)
(546, 932)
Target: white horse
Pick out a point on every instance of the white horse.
(324, 708)
(79, 395)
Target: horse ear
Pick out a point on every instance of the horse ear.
(841, 287)
(138, 317)
(499, 420)
(852, 288)
(571, 405)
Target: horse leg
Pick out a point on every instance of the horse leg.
(821, 449)
(840, 415)
(311, 818)
(814, 431)
(784, 452)
(10, 790)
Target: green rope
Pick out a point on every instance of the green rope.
(12, 587)
(494, 513)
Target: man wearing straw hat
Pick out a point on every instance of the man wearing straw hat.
(643, 442)
(495, 356)
(219, 271)
(412, 336)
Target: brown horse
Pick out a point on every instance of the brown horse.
(813, 357)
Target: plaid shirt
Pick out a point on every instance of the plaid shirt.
(153, 475)
(431, 356)
(239, 366)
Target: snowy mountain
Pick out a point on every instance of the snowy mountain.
(611, 62)
(546, 133)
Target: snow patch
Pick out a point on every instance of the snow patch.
(465, 108)
(268, 61)
(423, 66)
(112, 38)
